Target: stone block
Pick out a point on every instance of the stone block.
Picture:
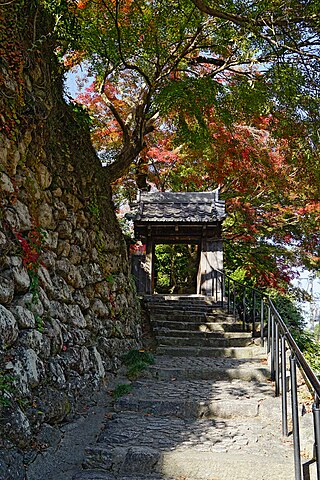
(36, 341)
(55, 405)
(80, 336)
(44, 299)
(73, 202)
(8, 328)
(62, 292)
(45, 280)
(54, 333)
(123, 460)
(60, 210)
(23, 214)
(85, 360)
(102, 289)
(43, 175)
(3, 240)
(11, 217)
(65, 229)
(6, 184)
(48, 259)
(63, 267)
(96, 324)
(51, 240)
(57, 192)
(75, 255)
(57, 372)
(24, 317)
(58, 310)
(17, 427)
(27, 369)
(99, 308)
(140, 460)
(81, 299)
(75, 278)
(6, 289)
(27, 301)
(81, 238)
(75, 317)
(11, 464)
(82, 220)
(21, 279)
(63, 248)
(32, 186)
(97, 361)
(45, 216)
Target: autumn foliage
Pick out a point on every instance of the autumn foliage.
(187, 97)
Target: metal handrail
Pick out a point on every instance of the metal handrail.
(279, 341)
(312, 378)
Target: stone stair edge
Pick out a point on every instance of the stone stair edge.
(217, 352)
(200, 333)
(193, 315)
(103, 475)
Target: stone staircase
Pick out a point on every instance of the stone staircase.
(204, 411)
(195, 326)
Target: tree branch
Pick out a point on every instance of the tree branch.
(243, 20)
(112, 108)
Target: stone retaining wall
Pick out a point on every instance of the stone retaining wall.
(67, 303)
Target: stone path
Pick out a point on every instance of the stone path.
(192, 430)
(194, 418)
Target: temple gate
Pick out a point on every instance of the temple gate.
(180, 218)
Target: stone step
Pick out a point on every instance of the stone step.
(197, 465)
(179, 299)
(214, 352)
(190, 317)
(205, 301)
(123, 459)
(204, 340)
(204, 368)
(103, 475)
(187, 309)
(160, 332)
(134, 444)
(188, 409)
(193, 464)
(201, 326)
(215, 399)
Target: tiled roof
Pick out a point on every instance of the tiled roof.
(180, 207)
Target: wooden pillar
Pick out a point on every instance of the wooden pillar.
(204, 273)
(211, 258)
(215, 253)
(215, 261)
(149, 266)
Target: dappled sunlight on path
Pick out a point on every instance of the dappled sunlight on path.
(195, 417)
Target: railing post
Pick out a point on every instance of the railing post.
(284, 387)
(272, 342)
(234, 298)
(269, 330)
(216, 285)
(253, 313)
(222, 289)
(316, 425)
(295, 417)
(262, 323)
(277, 361)
(228, 290)
(244, 308)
